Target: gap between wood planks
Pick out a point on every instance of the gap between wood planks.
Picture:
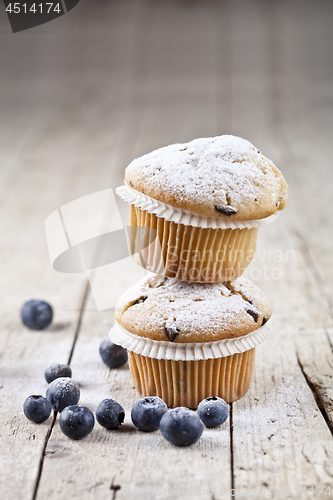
(317, 396)
(114, 488)
(315, 387)
(54, 417)
(231, 427)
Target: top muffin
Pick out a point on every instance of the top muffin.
(224, 177)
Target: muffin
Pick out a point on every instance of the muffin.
(188, 341)
(195, 208)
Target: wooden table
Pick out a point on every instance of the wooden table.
(80, 98)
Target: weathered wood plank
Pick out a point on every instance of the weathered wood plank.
(278, 422)
(70, 154)
(25, 354)
(314, 351)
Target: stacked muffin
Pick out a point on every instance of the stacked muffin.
(191, 326)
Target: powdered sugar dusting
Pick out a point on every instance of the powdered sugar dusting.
(196, 312)
(225, 170)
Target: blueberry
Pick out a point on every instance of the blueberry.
(63, 392)
(56, 370)
(113, 355)
(213, 411)
(37, 409)
(36, 314)
(76, 422)
(110, 414)
(147, 413)
(181, 426)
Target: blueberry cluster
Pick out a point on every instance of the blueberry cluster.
(62, 394)
(180, 426)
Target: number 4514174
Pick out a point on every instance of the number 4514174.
(35, 8)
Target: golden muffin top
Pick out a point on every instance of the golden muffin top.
(166, 309)
(224, 177)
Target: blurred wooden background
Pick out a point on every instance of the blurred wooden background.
(81, 97)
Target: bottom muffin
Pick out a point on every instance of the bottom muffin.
(188, 341)
(186, 383)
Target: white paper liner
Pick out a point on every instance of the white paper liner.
(182, 216)
(189, 351)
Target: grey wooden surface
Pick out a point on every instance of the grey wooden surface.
(79, 99)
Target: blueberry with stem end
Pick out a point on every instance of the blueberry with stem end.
(110, 414)
(37, 408)
(146, 413)
(213, 411)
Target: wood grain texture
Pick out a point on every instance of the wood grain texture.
(54, 168)
(93, 90)
(134, 460)
(281, 450)
(278, 422)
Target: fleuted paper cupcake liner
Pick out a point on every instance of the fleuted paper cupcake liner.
(187, 351)
(186, 383)
(182, 216)
(189, 253)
